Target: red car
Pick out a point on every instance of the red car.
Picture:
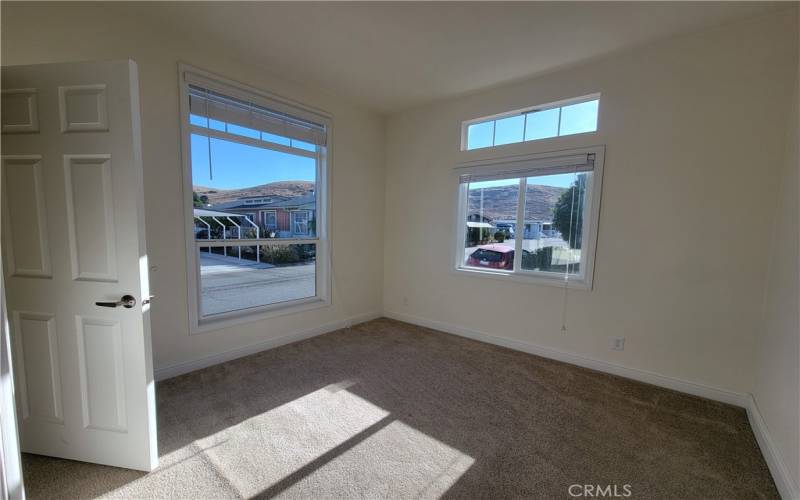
(494, 256)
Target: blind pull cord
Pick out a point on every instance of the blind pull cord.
(208, 136)
(569, 256)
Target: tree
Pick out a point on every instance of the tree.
(567, 212)
(199, 201)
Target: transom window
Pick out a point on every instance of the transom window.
(531, 217)
(575, 116)
(256, 170)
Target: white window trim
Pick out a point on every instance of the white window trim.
(591, 219)
(542, 107)
(197, 323)
(266, 213)
(292, 221)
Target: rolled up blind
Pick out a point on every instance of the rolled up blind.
(513, 169)
(212, 105)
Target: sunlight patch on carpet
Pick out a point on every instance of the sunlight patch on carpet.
(262, 450)
(397, 461)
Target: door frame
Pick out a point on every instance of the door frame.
(11, 484)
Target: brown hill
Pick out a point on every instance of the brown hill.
(288, 189)
(501, 202)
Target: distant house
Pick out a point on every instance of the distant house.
(284, 216)
(533, 229)
(475, 217)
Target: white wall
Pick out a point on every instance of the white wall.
(39, 33)
(695, 129)
(777, 362)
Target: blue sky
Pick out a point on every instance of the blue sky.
(575, 119)
(239, 165)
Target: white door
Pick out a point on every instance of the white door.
(73, 237)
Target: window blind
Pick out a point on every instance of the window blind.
(213, 105)
(513, 169)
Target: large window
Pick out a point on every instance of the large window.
(256, 170)
(532, 217)
(575, 116)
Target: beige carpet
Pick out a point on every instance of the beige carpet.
(390, 410)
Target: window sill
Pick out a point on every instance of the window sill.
(531, 279)
(225, 320)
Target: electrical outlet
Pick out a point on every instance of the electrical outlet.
(618, 344)
(405, 301)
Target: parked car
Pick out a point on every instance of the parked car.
(506, 228)
(495, 256)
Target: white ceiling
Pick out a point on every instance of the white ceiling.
(390, 56)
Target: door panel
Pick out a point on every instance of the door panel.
(83, 108)
(90, 217)
(73, 235)
(38, 367)
(100, 362)
(20, 111)
(25, 217)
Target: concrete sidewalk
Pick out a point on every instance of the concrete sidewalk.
(230, 284)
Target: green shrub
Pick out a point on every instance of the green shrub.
(280, 255)
(478, 236)
(307, 252)
(539, 259)
(500, 236)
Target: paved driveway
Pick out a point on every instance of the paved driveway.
(229, 284)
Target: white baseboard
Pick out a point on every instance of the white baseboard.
(704, 391)
(196, 364)
(787, 487)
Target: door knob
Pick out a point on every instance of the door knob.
(127, 301)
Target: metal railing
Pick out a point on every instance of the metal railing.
(225, 231)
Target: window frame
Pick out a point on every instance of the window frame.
(591, 219)
(267, 213)
(523, 111)
(293, 220)
(324, 156)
